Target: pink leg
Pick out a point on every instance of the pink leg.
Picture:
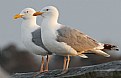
(47, 64)
(42, 65)
(64, 65)
(68, 62)
(41, 68)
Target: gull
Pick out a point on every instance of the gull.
(67, 41)
(31, 36)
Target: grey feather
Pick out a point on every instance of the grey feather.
(37, 40)
(77, 40)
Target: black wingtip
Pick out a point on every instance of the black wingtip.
(117, 49)
(110, 47)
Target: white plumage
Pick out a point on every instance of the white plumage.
(62, 40)
(28, 27)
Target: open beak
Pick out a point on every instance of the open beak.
(18, 16)
(38, 13)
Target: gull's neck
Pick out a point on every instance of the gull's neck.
(27, 27)
(49, 22)
(29, 23)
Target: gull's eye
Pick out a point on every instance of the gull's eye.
(27, 11)
(47, 9)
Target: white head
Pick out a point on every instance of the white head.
(48, 11)
(26, 14)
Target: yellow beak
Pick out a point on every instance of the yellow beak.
(18, 16)
(38, 13)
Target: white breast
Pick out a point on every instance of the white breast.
(26, 37)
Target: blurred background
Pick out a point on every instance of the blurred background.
(100, 19)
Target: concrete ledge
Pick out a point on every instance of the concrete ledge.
(105, 70)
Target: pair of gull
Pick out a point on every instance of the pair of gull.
(54, 38)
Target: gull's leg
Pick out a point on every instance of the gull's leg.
(47, 64)
(68, 61)
(42, 65)
(41, 68)
(64, 65)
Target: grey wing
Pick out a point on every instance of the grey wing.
(36, 37)
(37, 40)
(77, 40)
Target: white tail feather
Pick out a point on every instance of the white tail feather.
(83, 56)
(100, 52)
